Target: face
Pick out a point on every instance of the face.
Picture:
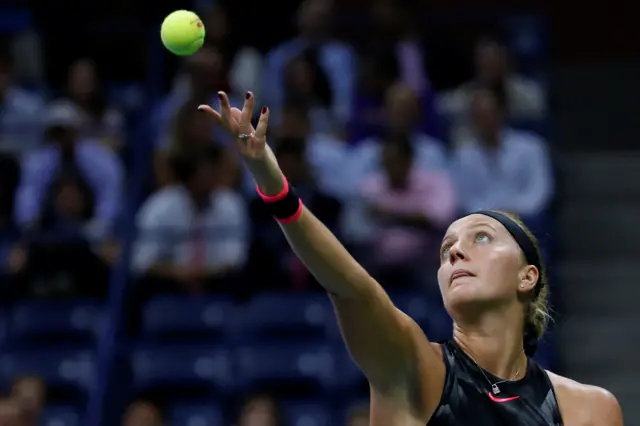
(491, 62)
(10, 414)
(396, 164)
(402, 109)
(300, 77)
(29, 393)
(258, 412)
(196, 132)
(82, 80)
(142, 414)
(485, 114)
(206, 70)
(480, 265)
(314, 16)
(216, 25)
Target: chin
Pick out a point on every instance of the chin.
(462, 297)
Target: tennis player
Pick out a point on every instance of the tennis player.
(493, 286)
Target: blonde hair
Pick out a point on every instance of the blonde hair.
(536, 314)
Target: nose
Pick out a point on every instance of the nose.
(456, 253)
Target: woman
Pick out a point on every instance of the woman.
(493, 286)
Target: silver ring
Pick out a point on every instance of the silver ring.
(244, 136)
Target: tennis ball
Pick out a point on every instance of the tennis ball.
(182, 32)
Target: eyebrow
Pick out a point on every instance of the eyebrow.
(475, 225)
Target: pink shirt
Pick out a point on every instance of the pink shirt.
(429, 193)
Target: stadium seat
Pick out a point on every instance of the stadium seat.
(306, 414)
(54, 320)
(59, 368)
(196, 415)
(427, 310)
(59, 416)
(165, 316)
(287, 362)
(280, 315)
(182, 366)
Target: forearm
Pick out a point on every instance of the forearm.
(313, 243)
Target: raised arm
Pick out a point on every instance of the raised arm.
(381, 339)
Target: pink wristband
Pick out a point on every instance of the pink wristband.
(295, 216)
(282, 205)
(275, 198)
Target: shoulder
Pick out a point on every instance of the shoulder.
(586, 405)
(228, 202)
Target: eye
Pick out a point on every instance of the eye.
(444, 251)
(482, 237)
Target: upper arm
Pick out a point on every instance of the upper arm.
(31, 188)
(387, 344)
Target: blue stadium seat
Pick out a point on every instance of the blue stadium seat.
(59, 368)
(59, 416)
(427, 310)
(280, 314)
(36, 320)
(306, 414)
(196, 415)
(168, 315)
(291, 362)
(182, 366)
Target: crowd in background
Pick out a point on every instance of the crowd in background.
(381, 156)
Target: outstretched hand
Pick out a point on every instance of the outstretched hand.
(251, 142)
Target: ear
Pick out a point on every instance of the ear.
(527, 279)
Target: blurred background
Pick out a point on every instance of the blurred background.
(142, 282)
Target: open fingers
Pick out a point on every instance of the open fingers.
(247, 113)
(212, 112)
(225, 112)
(261, 129)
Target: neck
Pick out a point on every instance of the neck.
(495, 343)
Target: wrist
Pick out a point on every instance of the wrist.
(267, 175)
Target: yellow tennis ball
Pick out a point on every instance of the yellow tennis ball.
(182, 32)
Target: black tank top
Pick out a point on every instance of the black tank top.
(467, 400)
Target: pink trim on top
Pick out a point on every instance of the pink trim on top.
(275, 198)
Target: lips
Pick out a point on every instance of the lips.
(461, 273)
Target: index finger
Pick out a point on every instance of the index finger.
(247, 111)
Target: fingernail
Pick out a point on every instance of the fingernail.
(264, 109)
(247, 96)
(220, 96)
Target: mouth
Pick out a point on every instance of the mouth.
(459, 274)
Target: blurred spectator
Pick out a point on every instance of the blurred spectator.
(324, 153)
(336, 59)
(306, 83)
(260, 410)
(67, 202)
(498, 167)
(194, 235)
(391, 52)
(271, 258)
(11, 414)
(21, 118)
(243, 63)
(204, 76)
(410, 208)
(29, 394)
(100, 121)
(401, 118)
(193, 132)
(525, 98)
(358, 416)
(142, 413)
(66, 156)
